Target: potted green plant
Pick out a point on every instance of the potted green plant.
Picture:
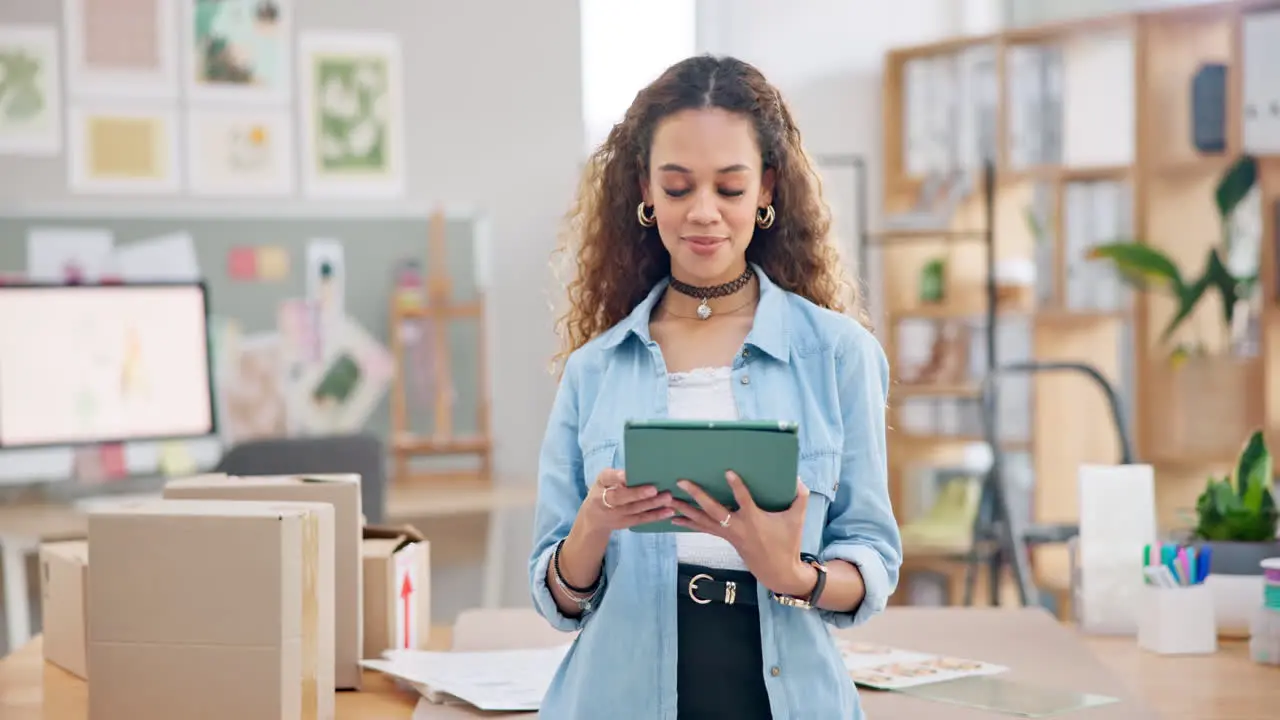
(1236, 518)
(1149, 269)
(1219, 384)
(1236, 515)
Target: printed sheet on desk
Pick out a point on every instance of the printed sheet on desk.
(495, 680)
(887, 668)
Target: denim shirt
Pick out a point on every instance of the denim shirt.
(800, 362)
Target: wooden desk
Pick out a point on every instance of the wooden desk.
(1225, 686)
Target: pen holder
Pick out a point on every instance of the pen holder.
(1177, 621)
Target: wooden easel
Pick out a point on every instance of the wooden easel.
(434, 317)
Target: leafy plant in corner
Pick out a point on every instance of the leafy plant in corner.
(1240, 507)
(1146, 268)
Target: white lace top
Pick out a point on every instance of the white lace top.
(703, 394)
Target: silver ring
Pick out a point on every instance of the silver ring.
(725, 521)
(604, 497)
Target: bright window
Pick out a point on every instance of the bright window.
(625, 45)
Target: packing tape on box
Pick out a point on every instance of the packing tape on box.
(310, 615)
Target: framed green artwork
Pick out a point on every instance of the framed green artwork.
(30, 110)
(352, 115)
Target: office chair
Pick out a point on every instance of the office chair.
(362, 454)
(998, 528)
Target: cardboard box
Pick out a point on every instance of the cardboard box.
(211, 609)
(397, 590)
(64, 582)
(341, 491)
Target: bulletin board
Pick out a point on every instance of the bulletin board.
(372, 250)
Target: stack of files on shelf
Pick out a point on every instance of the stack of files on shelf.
(490, 680)
(1035, 78)
(1095, 213)
(1041, 212)
(949, 112)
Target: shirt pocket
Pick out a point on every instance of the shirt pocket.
(820, 472)
(596, 458)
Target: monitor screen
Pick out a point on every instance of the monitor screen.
(103, 363)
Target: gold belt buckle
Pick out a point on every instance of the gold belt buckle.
(693, 588)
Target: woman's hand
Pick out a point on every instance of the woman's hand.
(611, 505)
(769, 542)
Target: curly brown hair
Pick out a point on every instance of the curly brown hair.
(617, 261)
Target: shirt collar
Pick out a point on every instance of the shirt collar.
(768, 330)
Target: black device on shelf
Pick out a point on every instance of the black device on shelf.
(1209, 108)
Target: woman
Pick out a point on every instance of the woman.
(707, 287)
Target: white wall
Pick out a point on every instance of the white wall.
(826, 57)
(505, 129)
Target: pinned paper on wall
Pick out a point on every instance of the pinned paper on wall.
(87, 465)
(253, 392)
(168, 258)
(341, 393)
(242, 263)
(296, 321)
(272, 263)
(69, 255)
(113, 464)
(326, 275)
(176, 460)
(326, 288)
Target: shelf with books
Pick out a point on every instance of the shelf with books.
(1105, 131)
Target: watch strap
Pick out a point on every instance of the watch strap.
(811, 600)
(821, 584)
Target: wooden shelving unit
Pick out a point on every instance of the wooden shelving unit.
(1121, 129)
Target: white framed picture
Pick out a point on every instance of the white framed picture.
(30, 95)
(238, 51)
(123, 148)
(121, 48)
(352, 115)
(239, 152)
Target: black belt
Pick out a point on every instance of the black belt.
(705, 586)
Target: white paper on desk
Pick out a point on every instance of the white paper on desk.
(498, 680)
(887, 668)
(169, 258)
(58, 255)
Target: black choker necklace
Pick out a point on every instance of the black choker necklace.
(706, 293)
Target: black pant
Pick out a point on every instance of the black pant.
(720, 670)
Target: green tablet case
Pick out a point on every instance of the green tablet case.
(766, 454)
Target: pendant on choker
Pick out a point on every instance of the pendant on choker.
(704, 310)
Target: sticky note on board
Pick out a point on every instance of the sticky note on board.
(242, 263)
(113, 463)
(272, 263)
(175, 459)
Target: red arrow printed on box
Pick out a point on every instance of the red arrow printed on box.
(406, 593)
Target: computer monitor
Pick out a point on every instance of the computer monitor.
(82, 364)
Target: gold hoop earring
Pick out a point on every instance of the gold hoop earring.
(646, 220)
(765, 217)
